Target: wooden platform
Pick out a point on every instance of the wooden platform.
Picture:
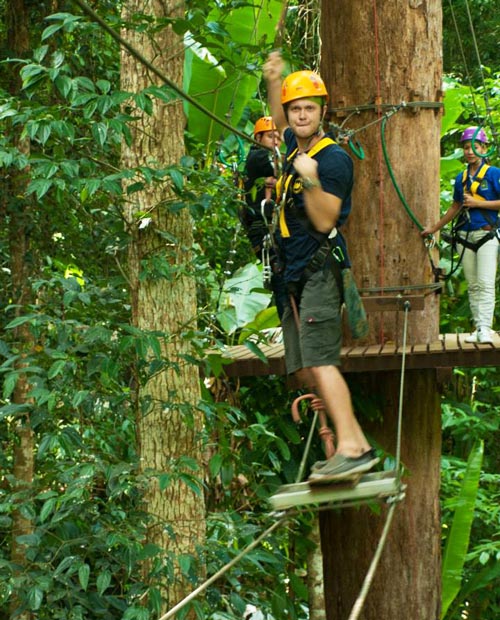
(449, 351)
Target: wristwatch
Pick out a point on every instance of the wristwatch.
(308, 183)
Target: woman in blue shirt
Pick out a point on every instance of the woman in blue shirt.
(476, 202)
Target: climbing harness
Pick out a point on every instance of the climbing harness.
(269, 215)
(286, 179)
(454, 238)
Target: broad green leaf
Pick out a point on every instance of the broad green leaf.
(9, 384)
(220, 78)
(266, 319)
(256, 351)
(20, 320)
(453, 107)
(239, 302)
(56, 369)
(215, 464)
(457, 542)
(34, 598)
(50, 30)
(83, 575)
(103, 581)
(47, 508)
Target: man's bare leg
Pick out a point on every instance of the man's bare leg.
(333, 390)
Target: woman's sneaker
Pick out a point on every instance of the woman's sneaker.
(472, 337)
(484, 336)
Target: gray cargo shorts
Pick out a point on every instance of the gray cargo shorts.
(319, 339)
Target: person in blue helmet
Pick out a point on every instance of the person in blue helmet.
(314, 193)
(476, 203)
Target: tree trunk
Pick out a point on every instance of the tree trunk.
(19, 215)
(384, 243)
(170, 426)
(407, 580)
(376, 54)
(315, 580)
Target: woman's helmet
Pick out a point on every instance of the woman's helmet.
(474, 133)
(264, 123)
(302, 84)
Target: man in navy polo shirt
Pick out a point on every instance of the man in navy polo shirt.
(315, 199)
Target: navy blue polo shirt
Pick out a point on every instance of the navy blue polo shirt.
(335, 172)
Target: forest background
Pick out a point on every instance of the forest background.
(74, 530)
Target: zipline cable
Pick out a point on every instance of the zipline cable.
(485, 92)
(469, 80)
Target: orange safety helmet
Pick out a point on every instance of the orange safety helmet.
(302, 84)
(264, 123)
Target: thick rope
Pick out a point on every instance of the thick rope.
(381, 205)
(225, 568)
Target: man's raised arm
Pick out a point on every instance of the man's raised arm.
(273, 74)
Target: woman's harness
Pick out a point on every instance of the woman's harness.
(493, 229)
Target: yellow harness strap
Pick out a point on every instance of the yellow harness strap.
(284, 182)
(477, 181)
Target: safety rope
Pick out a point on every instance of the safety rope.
(381, 206)
(202, 587)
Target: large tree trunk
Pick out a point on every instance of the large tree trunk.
(388, 53)
(407, 580)
(170, 427)
(21, 267)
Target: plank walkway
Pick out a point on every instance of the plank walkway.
(449, 351)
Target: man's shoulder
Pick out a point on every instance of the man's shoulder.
(257, 159)
(334, 153)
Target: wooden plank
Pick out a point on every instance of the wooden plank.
(420, 349)
(374, 349)
(390, 348)
(451, 342)
(436, 346)
(355, 351)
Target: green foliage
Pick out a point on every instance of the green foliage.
(222, 69)
(86, 557)
(471, 417)
(457, 540)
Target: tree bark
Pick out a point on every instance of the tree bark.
(407, 580)
(18, 210)
(377, 53)
(171, 426)
(392, 58)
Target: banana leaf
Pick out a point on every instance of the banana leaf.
(224, 74)
(457, 542)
